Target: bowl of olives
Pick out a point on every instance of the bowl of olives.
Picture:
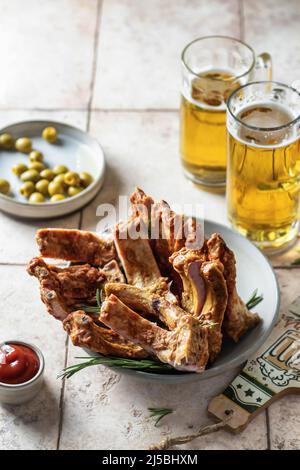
(48, 169)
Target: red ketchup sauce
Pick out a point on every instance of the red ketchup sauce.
(18, 363)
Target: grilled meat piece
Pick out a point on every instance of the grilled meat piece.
(169, 232)
(75, 245)
(73, 284)
(185, 348)
(205, 292)
(188, 264)
(111, 272)
(136, 256)
(237, 318)
(62, 289)
(84, 332)
(50, 289)
(157, 301)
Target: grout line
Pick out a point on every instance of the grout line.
(268, 430)
(94, 64)
(242, 19)
(62, 395)
(3, 263)
(136, 110)
(104, 110)
(42, 109)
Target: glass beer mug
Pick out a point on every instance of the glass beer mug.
(263, 175)
(213, 67)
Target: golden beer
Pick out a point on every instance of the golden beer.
(212, 68)
(203, 126)
(263, 178)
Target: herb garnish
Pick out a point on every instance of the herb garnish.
(112, 361)
(159, 413)
(254, 300)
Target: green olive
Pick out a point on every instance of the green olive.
(57, 198)
(27, 189)
(24, 145)
(73, 190)
(50, 134)
(4, 186)
(71, 178)
(55, 188)
(30, 175)
(38, 166)
(59, 169)
(36, 156)
(6, 141)
(19, 168)
(42, 187)
(60, 179)
(36, 198)
(85, 179)
(47, 174)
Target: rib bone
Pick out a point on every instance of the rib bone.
(84, 332)
(185, 348)
(237, 318)
(157, 301)
(75, 245)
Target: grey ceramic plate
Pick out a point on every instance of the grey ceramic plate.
(75, 149)
(253, 272)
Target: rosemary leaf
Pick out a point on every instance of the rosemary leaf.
(111, 361)
(159, 413)
(93, 308)
(99, 297)
(254, 300)
(296, 262)
(88, 308)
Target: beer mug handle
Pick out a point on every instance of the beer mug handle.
(263, 67)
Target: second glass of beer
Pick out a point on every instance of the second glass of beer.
(213, 67)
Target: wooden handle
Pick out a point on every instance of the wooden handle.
(270, 373)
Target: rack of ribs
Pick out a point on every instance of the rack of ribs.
(160, 297)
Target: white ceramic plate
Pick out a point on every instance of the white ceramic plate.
(253, 272)
(74, 148)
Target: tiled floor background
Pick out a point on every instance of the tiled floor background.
(112, 67)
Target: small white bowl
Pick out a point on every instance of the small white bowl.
(15, 394)
(74, 148)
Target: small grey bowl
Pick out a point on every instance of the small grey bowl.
(16, 394)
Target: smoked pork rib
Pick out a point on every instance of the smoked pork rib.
(50, 289)
(237, 319)
(205, 292)
(62, 288)
(169, 231)
(84, 332)
(185, 348)
(136, 257)
(75, 245)
(157, 301)
(74, 284)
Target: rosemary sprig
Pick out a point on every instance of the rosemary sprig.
(93, 308)
(254, 300)
(159, 413)
(296, 262)
(112, 361)
(99, 298)
(88, 308)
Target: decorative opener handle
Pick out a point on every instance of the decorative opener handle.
(270, 373)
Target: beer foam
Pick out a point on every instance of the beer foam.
(264, 115)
